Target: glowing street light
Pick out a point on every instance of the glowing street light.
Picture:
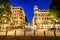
(11, 21)
(5, 21)
(56, 20)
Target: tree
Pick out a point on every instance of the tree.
(4, 10)
(55, 7)
(54, 11)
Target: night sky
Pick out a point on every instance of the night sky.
(28, 6)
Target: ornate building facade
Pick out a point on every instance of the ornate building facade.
(40, 17)
(17, 17)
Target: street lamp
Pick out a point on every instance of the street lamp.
(11, 21)
(5, 21)
(56, 20)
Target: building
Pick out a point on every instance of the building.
(17, 17)
(40, 17)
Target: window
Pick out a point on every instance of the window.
(17, 8)
(12, 18)
(16, 17)
(16, 11)
(21, 9)
(42, 18)
(39, 14)
(20, 17)
(13, 8)
(21, 12)
(16, 22)
(15, 14)
(13, 11)
(47, 18)
(42, 14)
(39, 18)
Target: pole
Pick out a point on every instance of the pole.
(44, 35)
(15, 32)
(6, 33)
(54, 34)
(24, 31)
(34, 34)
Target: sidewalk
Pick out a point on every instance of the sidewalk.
(38, 32)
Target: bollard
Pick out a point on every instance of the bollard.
(34, 35)
(24, 32)
(55, 34)
(15, 32)
(44, 35)
(6, 32)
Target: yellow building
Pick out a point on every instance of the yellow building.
(40, 17)
(17, 17)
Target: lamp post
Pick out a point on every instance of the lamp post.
(11, 22)
(44, 34)
(5, 25)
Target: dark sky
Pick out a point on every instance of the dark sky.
(28, 6)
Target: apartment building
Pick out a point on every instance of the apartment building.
(17, 17)
(40, 17)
